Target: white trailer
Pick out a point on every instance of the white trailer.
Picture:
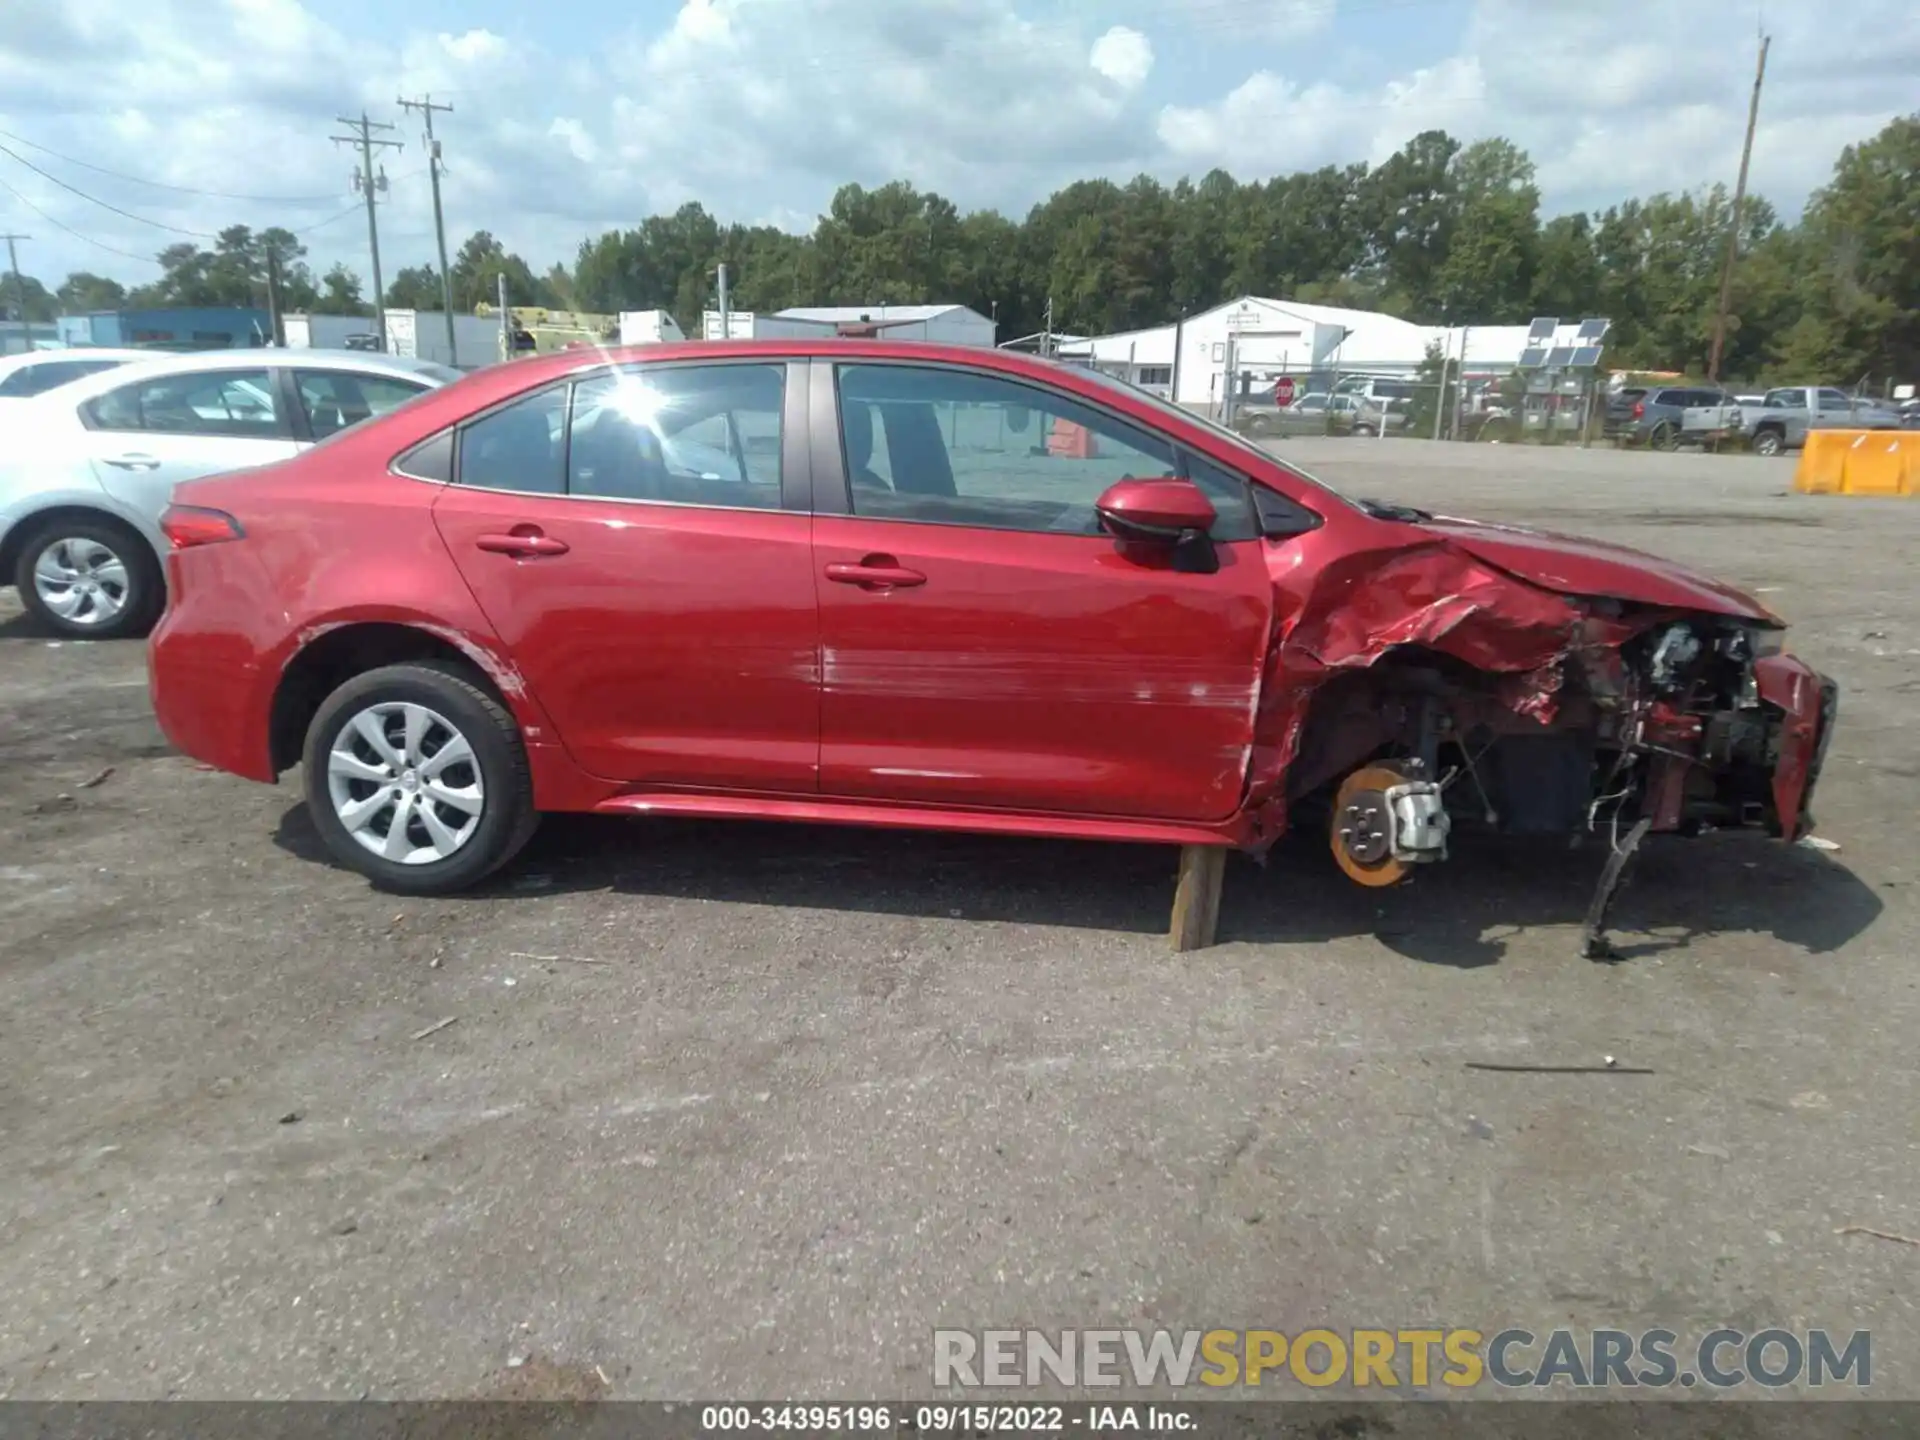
(324, 332)
(648, 327)
(422, 335)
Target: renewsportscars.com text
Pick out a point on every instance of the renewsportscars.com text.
(1460, 1359)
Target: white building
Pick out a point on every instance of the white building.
(1315, 344)
(939, 324)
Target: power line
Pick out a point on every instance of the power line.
(104, 205)
(78, 235)
(161, 185)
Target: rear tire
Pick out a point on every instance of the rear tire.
(1769, 443)
(417, 778)
(93, 578)
(1664, 437)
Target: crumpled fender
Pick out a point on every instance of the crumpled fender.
(1350, 612)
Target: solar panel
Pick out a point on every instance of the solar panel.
(1542, 329)
(1533, 357)
(1560, 357)
(1591, 331)
(1585, 357)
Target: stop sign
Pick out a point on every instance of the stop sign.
(1283, 390)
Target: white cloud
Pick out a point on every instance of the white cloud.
(760, 108)
(1124, 56)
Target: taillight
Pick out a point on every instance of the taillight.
(1639, 410)
(186, 526)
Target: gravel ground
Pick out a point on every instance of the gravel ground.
(743, 1110)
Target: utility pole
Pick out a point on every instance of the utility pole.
(276, 326)
(426, 107)
(726, 317)
(19, 287)
(506, 317)
(1733, 231)
(1046, 335)
(364, 181)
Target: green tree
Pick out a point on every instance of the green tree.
(83, 291)
(340, 294)
(416, 288)
(476, 270)
(39, 306)
(1863, 251)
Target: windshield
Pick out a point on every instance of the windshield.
(1180, 412)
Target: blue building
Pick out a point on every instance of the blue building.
(209, 327)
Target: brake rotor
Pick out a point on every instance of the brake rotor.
(1360, 833)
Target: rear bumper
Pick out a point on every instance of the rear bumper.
(208, 702)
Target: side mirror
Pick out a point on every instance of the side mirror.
(1166, 515)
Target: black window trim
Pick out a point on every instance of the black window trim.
(795, 481)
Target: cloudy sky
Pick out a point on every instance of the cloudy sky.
(573, 116)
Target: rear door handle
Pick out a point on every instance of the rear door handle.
(134, 462)
(874, 575)
(523, 540)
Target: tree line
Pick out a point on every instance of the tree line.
(1440, 232)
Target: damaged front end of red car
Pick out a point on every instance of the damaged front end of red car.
(1469, 678)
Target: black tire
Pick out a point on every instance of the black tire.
(507, 818)
(1769, 442)
(1664, 437)
(141, 596)
(1259, 427)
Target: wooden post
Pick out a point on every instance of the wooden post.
(1196, 898)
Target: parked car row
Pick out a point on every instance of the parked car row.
(1317, 413)
(1668, 416)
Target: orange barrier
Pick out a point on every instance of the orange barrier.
(1070, 441)
(1859, 462)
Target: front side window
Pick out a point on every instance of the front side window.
(519, 447)
(685, 435)
(954, 448)
(237, 403)
(336, 399)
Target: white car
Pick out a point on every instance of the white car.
(38, 371)
(88, 468)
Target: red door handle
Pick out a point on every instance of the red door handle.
(523, 540)
(874, 574)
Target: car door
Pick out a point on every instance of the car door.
(983, 642)
(659, 603)
(148, 435)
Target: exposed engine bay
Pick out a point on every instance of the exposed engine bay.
(1447, 697)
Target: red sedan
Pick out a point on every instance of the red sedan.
(910, 585)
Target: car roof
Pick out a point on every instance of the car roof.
(364, 362)
(12, 363)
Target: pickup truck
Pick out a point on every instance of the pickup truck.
(1781, 422)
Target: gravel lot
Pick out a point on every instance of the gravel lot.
(777, 1101)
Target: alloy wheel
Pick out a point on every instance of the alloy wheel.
(405, 783)
(82, 581)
